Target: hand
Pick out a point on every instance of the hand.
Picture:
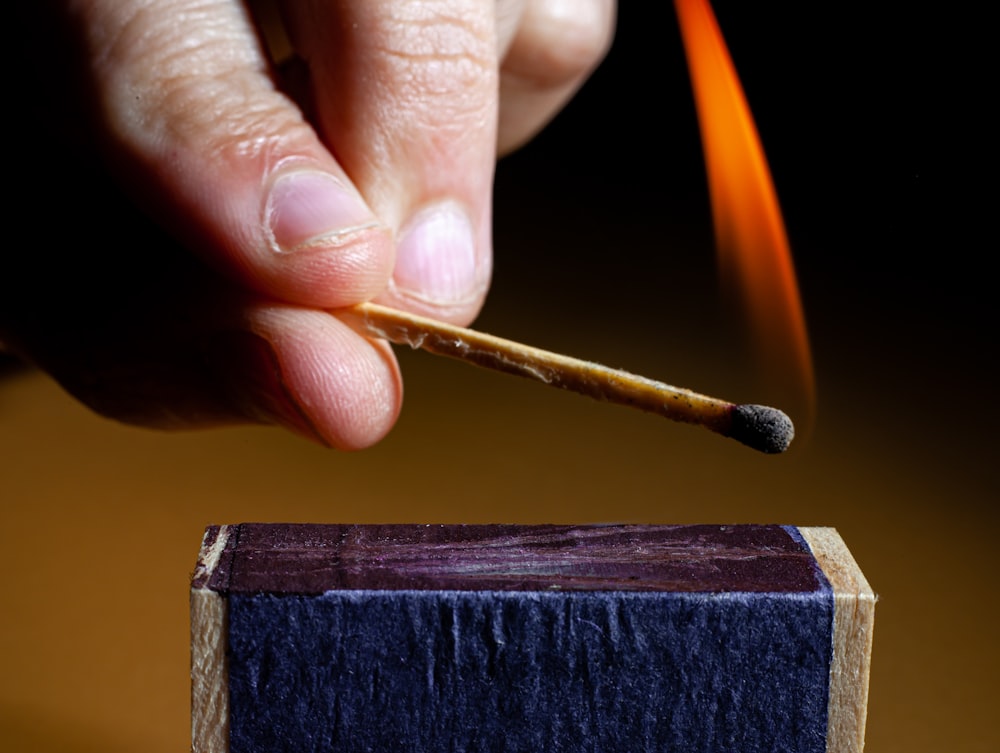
(198, 210)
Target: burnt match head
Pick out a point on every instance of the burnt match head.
(763, 428)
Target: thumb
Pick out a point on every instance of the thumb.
(198, 129)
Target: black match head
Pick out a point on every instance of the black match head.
(763, 428)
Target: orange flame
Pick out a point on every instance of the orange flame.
(754, 255)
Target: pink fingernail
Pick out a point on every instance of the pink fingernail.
(436, 257)
(308, 209)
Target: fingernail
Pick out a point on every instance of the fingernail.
(436, 257)
(250, 375)
(308, 209)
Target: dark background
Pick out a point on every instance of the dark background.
(875, 123)
(876, 127)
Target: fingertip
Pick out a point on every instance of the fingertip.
(308, 209)
(296, 231)
(349, 387)
(312, 374)
(319, 243)
(442, 265)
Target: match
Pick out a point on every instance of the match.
(763, 428)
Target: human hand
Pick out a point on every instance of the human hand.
(361, 170)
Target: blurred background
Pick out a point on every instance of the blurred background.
(872, 122)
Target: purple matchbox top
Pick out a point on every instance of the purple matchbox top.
(303, 559)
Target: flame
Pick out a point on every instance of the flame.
(754, 254)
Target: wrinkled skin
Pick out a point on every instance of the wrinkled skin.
(204, 207)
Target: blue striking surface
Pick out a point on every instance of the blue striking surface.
(507, 671)
(539, 669)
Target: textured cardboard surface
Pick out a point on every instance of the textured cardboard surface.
(512, 638)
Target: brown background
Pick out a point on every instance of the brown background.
(604, 251)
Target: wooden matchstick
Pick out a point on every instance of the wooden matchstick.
(758, 426)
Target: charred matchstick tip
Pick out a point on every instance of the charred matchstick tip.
(757, 426)
(766, 429)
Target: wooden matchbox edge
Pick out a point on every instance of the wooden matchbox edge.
(853, 624)
(854, 617)
(209, 677)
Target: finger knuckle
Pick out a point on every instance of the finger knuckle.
(441, 66)
(196, 83)
(562, 41)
